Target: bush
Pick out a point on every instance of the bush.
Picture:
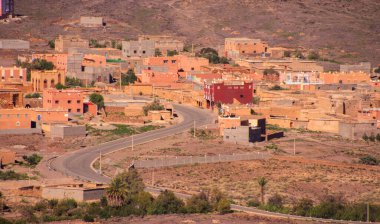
(63, 207)
(97, 99)
(33, 95)
(128, 78)
(59, 86)
(143, 201)
(365, 137)
(12, 175)
(41, 206)
(41, 64)
(303, 207)
(378, 137)
(198, 204)
(153, 106)
(253, 203)
(224, 206)
(369, 160)
(88, 218)
(276, 201)
(313, 56)
(276, 87)
(166, 203)
(33, 160)
(372, 137)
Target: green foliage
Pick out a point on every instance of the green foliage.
(224, 206)
(212, 55)
(157, 52)
(276, 87)
(253, 203)
(369, 160)
(97, 99)
(276, 201)
(365, 137)
(187, 48)
(287, 54)
(313, 56)
(33, 95)
(128, 78)
(33, 160)
(12, 175)
(274, 127)
(41, 64)
(202, 134)
(298, 54)
(270, 71)
(372, 137)
(95, 44)
(51, 44)
(59, 86)
(262, 183)
(303, 207)
(155, 105)
(172, 53)
(198, 204)
(256, 100)
(377, 70)
(273, 147)
(73, 82)
(166, 203)
(4, 221)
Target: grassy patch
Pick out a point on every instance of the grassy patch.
(12, 175)
(274, 127)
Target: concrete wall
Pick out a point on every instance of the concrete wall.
(14, 44)
(357, 130)
(91, 21)
(242, 134)
(78, 194)
(61, 131)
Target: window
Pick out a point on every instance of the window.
(174, 61)
(57, 102)
(243, 52)
(135, 52)
(69, 110)
(192, 69)
(18, 123)
(143, 52)
(82, 68)
(165, 61)
(78, 101)
(78, 110)
(26, 115)
(69, 101)
(18, 115)
(241, 96)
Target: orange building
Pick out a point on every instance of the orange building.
(235, 47)
(70, 100)
(151, 77)
(177, 63)
(58, 60)
(42, 80)
(93, 60)
(345, 78)
(49, 115)
(11, 74)
(15, 119)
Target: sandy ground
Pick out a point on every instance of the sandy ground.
(323, 164)
(235, 218)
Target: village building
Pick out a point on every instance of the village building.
(6, 8)
(164, 43)
(14, 44)
(11, 119)
(91, 21)
(46, 79)
(364, 67)
(10, 98)
(70, 100)
(63, 43)
(59, 60)
(9, 74)
(7, 157)
(228, 92)
(239, 47)
(139, 48)
(78, 192)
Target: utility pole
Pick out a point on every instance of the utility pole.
(368, 212)
(294, 147)
(29, 177)
(132, 142)
(153, 178)
(194, 128)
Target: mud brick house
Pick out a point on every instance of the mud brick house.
(42, 80)
(10, 98)
(71, 100)
(63, 43)
(237, 47)
(164, 43)
(9, 74)
(228, 92)
(59, 60)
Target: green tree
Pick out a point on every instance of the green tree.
(143, 201)
(32, 95)
(133, 181)
(117, 192)
(287, 54)
(224, 60)
(172, 53)
(59, 86)
(365, 137)
(51, 44)
(97, 99)
(198, 204)
(41, 64)
(262, 183)
(298, 54)
(313, 55)
(73, 82)
(211, 54)
(128, 78)
(155, 105)
(224, 206)
(166, 203)
(33, 160)
(157, 52)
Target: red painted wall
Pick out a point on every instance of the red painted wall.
(225, 93)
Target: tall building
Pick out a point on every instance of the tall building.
(6, 8)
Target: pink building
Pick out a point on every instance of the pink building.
(70, 100)
(12, 74)
(150, 77)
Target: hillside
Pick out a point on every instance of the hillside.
(347, 30)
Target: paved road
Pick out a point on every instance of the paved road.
(78, 163)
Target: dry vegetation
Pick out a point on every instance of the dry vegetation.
(347, 30)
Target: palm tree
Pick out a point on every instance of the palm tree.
(262, 182)
(116, 193)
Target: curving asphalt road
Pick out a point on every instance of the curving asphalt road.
(78, 163)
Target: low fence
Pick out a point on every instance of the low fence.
(21, 131)
(189, 160)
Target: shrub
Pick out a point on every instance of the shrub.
(64, 206)
(33, 160)
(224, 206)
(4, 221)
(97, 99)
(41, 206)
(313, 56)
(143, 201)
(128, 78)
(12, 175)
(372, 137)
(276, 87)
(365, 137)
(369, 160)
(88, 218)
(166, 203)
(33, 95)
(153, 106)
(253, 203)
(276, 201)
(378, 137)
(52, 203)
(303, 207)
(198, 204)
(59, 86)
